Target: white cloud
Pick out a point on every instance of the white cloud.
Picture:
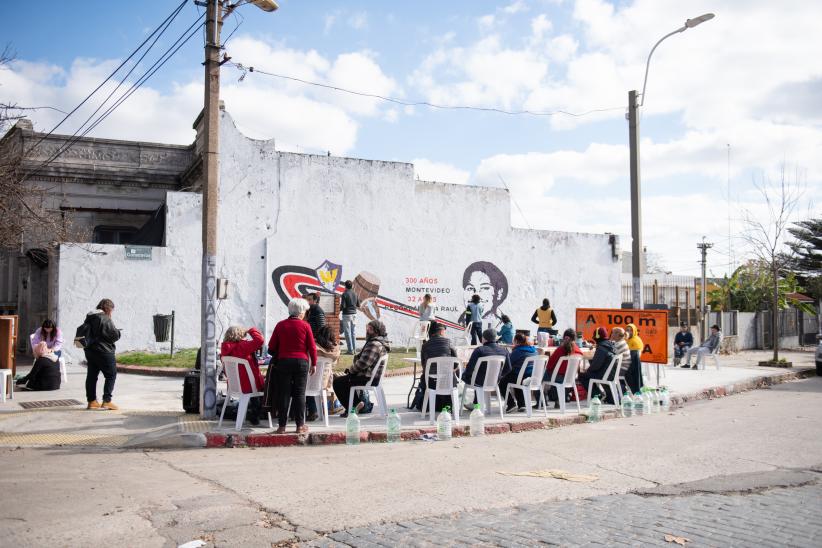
(516, 7)
(486, 22)
(540, 26)
(329, 21)
(358, 21)
(428, 170)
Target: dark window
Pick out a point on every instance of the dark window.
(113, 234)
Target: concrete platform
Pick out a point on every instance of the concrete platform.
(151, 409)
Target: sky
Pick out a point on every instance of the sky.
(731, 105)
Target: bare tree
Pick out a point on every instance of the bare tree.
(765, 233)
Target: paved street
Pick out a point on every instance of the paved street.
(227, 497)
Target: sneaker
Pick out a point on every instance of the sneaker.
(510, 407)
(686, 366)
(337, 410)
(254, 421)
(93, 405)
(108, 405)
(312, 417)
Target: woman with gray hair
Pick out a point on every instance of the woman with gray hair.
(293, 356)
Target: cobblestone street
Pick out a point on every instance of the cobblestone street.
(772, 517)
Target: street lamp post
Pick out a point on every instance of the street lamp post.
(215, 10)
(637, 257)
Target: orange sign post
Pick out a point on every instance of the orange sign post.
(652, 326)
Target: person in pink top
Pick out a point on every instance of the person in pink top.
(51, 335)
(293, 357)
(235, 344)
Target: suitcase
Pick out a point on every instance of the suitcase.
(191, 391)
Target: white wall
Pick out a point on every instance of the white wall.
(279, 209)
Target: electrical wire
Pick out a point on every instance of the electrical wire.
(244, 69)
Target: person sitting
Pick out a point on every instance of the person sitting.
(567, 347)
(236, 345)
(506, 330)
(621, 349)
(522, 350)
(683, 342)
(327, 347)
(437, 346)
(603, 355)
(45, 373)
(635, 347)
(51, 334)
(376, 346)
(489, 348)
(708, 346)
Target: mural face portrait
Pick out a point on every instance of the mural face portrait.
(486, 280)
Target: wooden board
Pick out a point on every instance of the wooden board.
(651, 324)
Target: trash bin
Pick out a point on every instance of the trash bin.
(162, 327)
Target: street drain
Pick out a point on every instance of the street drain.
(48, 403)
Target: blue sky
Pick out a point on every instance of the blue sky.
(729, 81)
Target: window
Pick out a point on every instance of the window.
(113, 234)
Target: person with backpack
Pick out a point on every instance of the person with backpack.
(97, 336)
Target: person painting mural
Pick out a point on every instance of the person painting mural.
(545, 318)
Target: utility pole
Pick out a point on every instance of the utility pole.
(637, 258)
(211, 129)
(704, 247)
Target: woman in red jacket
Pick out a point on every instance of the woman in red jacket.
(236, 345)
(293, 357)
(566, 348)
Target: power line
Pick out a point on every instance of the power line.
(516, 203)
(394, 100)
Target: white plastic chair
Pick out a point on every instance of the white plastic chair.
(490, 385)
(445, 386)
(714, 354)
(233, 389)
(610, 379)
(8, 385)
(315, 388)
(374, 385)
(568, 381)
(529, 384)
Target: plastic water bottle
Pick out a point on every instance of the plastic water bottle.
(594, 410)
(352, 428)
(647, 407)
(639, 405)
(627, 404)
(393, 424)
(665, 400)
(444, 424)
(655, 400)
(477, 421)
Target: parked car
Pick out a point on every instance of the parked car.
(819, 356)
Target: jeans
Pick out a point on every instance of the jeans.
(292, 375)
(100, 362)
(700, 351)
(342, 387)
(476, 333)
(349, 327)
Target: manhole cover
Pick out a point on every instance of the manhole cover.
(48, 403)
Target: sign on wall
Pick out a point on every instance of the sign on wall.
(138, 252)
(652, 328)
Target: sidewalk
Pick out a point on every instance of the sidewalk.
(151, 410)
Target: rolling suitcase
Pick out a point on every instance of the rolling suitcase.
(191, 391)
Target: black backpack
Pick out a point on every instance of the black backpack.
(82, 337)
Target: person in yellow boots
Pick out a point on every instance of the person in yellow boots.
(99, 348)
(635, 346)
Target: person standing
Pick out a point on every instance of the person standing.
(425, 309)
(236, 345)
(545, 318)
(683, 342)
(349, 305)
(316, 315)
(475, 310)
(51, 335)
(635, 346)
(102, 335)
(293, 357)
(376, 346)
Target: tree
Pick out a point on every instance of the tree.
(806, 255)
(750, 287)
(766, 232)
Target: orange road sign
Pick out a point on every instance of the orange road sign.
(652, 327)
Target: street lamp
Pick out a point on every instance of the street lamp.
(215, 10)
(637, 260)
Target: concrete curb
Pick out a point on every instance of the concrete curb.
(239, 439)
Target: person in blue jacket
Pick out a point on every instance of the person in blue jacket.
(506, 330)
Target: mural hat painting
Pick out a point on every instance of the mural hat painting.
(485, 279)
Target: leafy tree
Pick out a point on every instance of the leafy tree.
(805, 258)
(750, 288)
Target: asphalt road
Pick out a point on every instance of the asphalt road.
(753, 455)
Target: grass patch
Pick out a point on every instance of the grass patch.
(184, 358)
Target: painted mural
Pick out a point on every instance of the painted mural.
(481, 277)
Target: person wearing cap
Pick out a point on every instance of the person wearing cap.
(376, 346)
(708, 346)
(489, 348)
(683, 342)
(603, 355)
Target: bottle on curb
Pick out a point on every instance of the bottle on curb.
(594, 409)
(444, 424)
(647, 407)
(393, 425)
(665, 400)
(477, 421)
(352, 428)
(655, 400)
(627, 404)
(639, 404)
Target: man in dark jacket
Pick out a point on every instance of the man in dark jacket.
(488, 348)
(605, 352)
(349, 303)
(437, 346)
(315, 315)
(100, 354)
(683, 342)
